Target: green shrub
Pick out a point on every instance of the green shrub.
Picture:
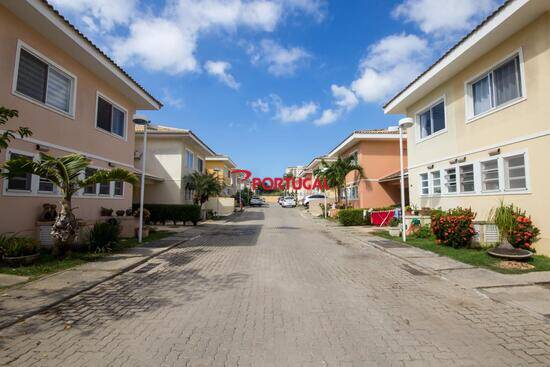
(453, 227)
(162, 213)
(104, 235)
(352, 217)
(424, 232)
(13, 246)
(394, 222)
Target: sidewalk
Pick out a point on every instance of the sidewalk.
(529, 291)
(20, 302)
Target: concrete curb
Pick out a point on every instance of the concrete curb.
(43, 308)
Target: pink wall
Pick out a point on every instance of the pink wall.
(64, 134)
(378, 158)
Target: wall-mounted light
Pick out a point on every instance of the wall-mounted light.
(494, 152)
(453, 161)
(42, 148)
(111, 164)
(431, 166)
(461, 160)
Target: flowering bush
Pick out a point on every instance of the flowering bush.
(453, 227)
(523, 233)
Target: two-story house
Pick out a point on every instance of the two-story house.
(221, 166)
(377, 152)
(75, 99)
(482, 132)
(172, 155)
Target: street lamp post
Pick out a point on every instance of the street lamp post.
(144, 121)
(404, 124)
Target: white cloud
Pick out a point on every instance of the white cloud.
(293, 113)
(171, 100)
(220, 69)
(448, 16)
(344, 98)
(389, 65)
(260, 105)
(280, 61)
(328, 117)
(100, 15)
(157, 44)
(316, 8)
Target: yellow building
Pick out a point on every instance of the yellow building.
(221, 166)
(482, 130)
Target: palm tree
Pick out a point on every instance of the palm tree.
(335, 173)
(7, 135)
(205, 186)
(65, 172)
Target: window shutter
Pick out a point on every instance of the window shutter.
(32, 76)
(104, 113)
(59, 90)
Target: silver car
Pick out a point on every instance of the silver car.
(289, 202)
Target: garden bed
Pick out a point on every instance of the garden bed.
(473, 257)
(48, 264)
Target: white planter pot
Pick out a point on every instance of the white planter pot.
(394, 232)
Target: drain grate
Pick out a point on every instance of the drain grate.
(412, 270)
(387, 244)
(146, 268)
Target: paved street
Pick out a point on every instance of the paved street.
(272, 288)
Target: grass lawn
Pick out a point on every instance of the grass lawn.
(469, 256)
(48, 264)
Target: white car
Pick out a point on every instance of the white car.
(256, 201)
(288, 202)
(308, 198)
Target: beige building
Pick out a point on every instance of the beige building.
(482, 132)
(74, 99)
(221, 166)
(172, 155)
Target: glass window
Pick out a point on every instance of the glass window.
(497, 87)
(200, 165)
(436, 182)
(92, 189)
(432, 120)
(450, 180)
(45, 185)
(110, 118)
(105, 188)
(190, 157)
(425, 184)
(43, 82)
(467, 182)
(119, 188)
(514, 171)
(489, 176)
(20, 182)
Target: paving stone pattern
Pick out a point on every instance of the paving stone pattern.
(271, 288)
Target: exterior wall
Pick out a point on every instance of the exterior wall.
(223, 173)
(520, 127)
(61, 133)
(378, 159)
(166, 159)
(221, 206)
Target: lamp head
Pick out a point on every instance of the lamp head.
(141, 120)
(406, 122)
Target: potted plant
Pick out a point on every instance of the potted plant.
(146, 218)
(394, 229)
(120, 213)
(17, 251)
(513, 223)
(106, 212)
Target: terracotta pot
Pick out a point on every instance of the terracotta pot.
(21, 260)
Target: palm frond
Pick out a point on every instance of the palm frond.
(104, 176)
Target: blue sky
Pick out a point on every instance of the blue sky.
(274, 83)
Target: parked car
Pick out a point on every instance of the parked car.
(280, 200)
(289, 202)
(256, 201)
(308, 198)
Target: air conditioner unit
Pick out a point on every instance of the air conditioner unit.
(137, 155)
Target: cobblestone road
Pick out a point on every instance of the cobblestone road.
(272, 288)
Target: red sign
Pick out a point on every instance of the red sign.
(282, 183)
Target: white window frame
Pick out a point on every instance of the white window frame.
(197, 158)
(418, 129)
(47, 60)
(499, 171)
(468, 91)
(422, 183)
(113, 189)
(459, 178)
(445, 187)
(35, 180)
(431, 186)
(527, 172)
(118, 106)
(187, 160)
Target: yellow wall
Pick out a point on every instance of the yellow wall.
(523, 126)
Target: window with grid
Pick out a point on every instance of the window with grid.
(498, 87)
(110, 118)
(467, 178)
(436, 182)
(515, 173)
(44, 83)
(489, 175)
(20, 182)
(425, 184)
(105, 189)
(91, 189)
(119, 188)
(450, 180)
(432, 120)
(45, 185)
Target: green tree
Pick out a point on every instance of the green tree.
(335, 173)
(65, 172)
(205, 185)
(7, 135)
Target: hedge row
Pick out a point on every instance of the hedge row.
(352, 217)
(162, 213)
